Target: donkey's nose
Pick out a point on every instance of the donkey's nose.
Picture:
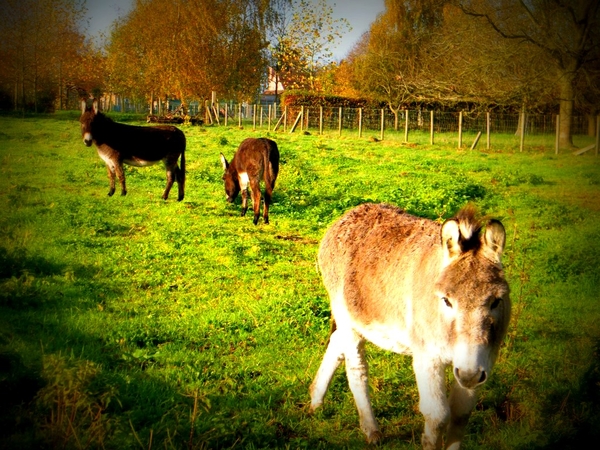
(87, 142)
(470, 379)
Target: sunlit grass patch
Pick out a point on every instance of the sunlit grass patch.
(205, 331)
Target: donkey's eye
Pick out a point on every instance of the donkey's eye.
(447, 302)
(495, 303)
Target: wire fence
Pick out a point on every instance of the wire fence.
(487, 130)
(532, 132)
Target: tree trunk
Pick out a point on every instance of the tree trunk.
(591, 120)
(565, 140)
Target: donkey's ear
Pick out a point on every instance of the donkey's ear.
(450, 240)
(95, 106)
(83, 106)
(494, 240)
(224, 162)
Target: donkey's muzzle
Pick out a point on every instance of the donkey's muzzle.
(470, 379)
(87, 138)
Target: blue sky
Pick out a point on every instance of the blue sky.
(359, 13)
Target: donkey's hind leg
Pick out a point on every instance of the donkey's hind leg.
(121, 175)
(334, 355)
(268, 200)
(171, 177)
(255, 188)
(180, 183)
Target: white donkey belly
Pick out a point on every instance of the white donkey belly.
(137, 162)
(394, 337)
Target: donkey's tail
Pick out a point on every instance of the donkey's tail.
(182, 179)
(272, 164)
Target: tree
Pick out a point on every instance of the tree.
(188, 48)
(303, 37)
(41, 47)
(390, 65)
(566, 32)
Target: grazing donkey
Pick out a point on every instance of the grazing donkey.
(137, 146)
(254, 160)
(413, 286)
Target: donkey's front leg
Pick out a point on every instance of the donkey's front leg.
(432, 401)
(244, 201)
(358, 379)
(110, 171)
(462, 402)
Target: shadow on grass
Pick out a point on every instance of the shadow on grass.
(78, 387)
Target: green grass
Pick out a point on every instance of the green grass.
(130, 322)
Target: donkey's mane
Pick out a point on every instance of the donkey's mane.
(470, 225)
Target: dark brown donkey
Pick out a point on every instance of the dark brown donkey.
(133, 145)
(254, 159)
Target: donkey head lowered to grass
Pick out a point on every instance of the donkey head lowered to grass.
(413, 286)
(133, 145)
(255, 159)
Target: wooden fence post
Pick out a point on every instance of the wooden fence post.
(226, 114)
(320, 119)
(522, 138)
(476, 141)
(557, 134)
(307, 118)
(382, 123)
(431, 127)
(340, 121)
(406, 125)
(460, 118)
(215, 111)
(240, 115)
(487, 127)
(360, 122)
(254, 116)
(597, 134)
(281, 119)
(269, 119)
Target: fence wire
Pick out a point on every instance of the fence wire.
(408, 126)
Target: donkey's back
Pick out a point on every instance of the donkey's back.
(411, 285)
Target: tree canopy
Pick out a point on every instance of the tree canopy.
(42, 52)
(484, 53)
(188, 48)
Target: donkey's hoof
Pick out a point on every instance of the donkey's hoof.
(313, 407)
(374, 437)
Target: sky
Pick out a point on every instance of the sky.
(359, 13)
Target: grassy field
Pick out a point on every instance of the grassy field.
(131, 322)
